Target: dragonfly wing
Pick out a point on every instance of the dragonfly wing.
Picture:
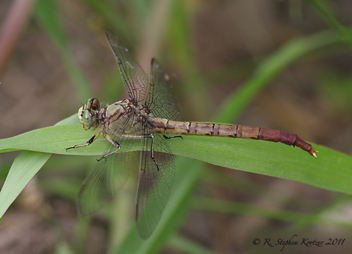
(160, 99)
(156, 177)
(134, 78)
(104, 182)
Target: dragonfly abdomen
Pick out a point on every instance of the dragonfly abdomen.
(232, 131)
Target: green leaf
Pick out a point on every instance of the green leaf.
(274, 159)
(24, 167)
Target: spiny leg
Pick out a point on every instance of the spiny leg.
(152, 149)
(112, 141)
(152, 146)
(90, 141)
(117, 145)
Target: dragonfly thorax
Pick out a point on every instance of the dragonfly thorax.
(117, 113)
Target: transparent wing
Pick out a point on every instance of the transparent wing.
(104, 181)
(134, 78)
(160, 99)
(156, 177)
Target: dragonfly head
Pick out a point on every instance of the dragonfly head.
(87, 114)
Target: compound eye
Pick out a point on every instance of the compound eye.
(95, 104)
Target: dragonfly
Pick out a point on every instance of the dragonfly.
(148, 114)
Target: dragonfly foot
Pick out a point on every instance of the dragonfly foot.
(102, 157)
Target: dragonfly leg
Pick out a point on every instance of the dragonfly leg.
(112, 141)
(166, 137)
(152, 149)
(90, 141)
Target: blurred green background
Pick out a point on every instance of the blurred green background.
(298, 51)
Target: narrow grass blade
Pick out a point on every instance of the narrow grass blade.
(24, 167)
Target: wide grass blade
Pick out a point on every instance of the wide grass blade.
(329, 171)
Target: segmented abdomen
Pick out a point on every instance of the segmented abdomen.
(232, 131)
